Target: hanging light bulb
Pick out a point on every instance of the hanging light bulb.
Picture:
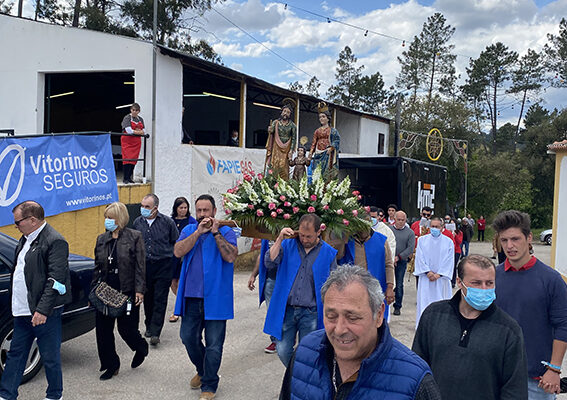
(366, 33)
(328, 20)
(285, 6)
(403, 43)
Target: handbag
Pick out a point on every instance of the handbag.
(107, 300)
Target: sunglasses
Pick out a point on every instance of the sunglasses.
(426, 215)
(20, 221)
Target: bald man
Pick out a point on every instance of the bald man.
(405, 244)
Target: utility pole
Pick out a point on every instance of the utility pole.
(154, 77)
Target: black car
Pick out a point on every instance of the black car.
(78, 318)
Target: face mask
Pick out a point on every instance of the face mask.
(145, 212)
(59, 287)
(110, 224)
(480, 299)
(435, 232)
(374, 221)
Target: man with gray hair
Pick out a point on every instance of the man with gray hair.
(475, 349)
(355, 356)
(160, 234)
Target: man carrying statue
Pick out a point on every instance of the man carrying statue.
(281, 141)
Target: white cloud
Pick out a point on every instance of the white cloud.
(253, 50)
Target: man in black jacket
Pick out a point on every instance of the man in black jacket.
(475, 350)
(40, 287)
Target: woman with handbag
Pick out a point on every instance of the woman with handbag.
(120, 263)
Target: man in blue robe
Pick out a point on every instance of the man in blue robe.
(303, 263)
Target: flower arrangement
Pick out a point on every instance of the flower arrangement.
(273, 203)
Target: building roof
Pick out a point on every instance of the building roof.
(557, 146)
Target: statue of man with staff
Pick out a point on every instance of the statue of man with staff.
(281, 141)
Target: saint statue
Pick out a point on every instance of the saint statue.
(299, 164)
(325, 145)
(281, 141)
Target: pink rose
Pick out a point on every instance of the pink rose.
(227, 212)
(323, 227)
(282, 197)
(287, 204)
(311, 209)
(238, 183)
(230, 191)
(367, 209)
(346, 222)
(295, 210)
(313, 197)
(252, 173)
(279, 211)
(260, 213)
(355, 213)
(274, 214)
(270, 172)
(326, 207)
(286, 216)
(276, 185)
(359, 197)
(251, 206)
(355, 193)
(271, 206)
(247, 178)
(340, 211)
(260, 176)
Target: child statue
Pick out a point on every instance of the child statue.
(300, 164)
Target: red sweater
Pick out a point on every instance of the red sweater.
(481, 224)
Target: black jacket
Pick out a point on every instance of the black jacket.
(47, 258)
(131, 259)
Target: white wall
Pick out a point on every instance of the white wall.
(348, 126)
(369, 133)
(560, 238)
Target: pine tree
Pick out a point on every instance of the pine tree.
(556, 51)
(346, 74)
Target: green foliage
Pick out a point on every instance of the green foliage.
(5, 7)
(556, 51)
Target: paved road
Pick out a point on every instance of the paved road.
(247, 373)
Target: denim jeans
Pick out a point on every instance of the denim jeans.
(537, 393)
(465, 248)
(206, 357)
(49, 342)
(296, 319)
(400, 271)
(268, 290)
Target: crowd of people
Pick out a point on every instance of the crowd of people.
(501, 335)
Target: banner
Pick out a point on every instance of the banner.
(62, 173)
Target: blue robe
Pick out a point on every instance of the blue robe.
(287, 272)
(262, 271)
(323, 158)
(375, 260)
(217, 279)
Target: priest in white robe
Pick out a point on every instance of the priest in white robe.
(434, 265)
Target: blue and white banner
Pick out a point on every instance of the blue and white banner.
(62, 173)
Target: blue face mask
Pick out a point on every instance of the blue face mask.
(110, 224)
(374, 221)
(435, 232)
(58, 286)
(480, 299)
(145, 212)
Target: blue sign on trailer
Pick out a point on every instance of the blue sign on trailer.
(62, 173)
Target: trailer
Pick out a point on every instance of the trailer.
(407, 183)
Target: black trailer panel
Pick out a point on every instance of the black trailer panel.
(408, 183)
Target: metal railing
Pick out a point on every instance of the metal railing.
(9, 134)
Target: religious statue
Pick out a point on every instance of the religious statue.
(325, 146)
(281, 141)
(299, 164)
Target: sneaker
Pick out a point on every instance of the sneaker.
(271, 349)
(397, 311)
(154, 340)
(207, 396)
(195, 382)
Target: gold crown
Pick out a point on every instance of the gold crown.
(322, 107)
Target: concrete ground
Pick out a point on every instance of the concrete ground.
(246, 371)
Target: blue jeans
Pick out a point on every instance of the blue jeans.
(400, 271)
(206, 357)
(268, 290)
(49, 342)
(465, 248)
(296, 319)
(537, 393)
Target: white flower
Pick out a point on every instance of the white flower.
(326, 198)
(303, 191)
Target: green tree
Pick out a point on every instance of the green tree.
(313, 86)
(486, 78)
(556, 51)
(429, 64)
(526, 78)
(296, 87)
(370, 92)
(347, 75)
(5, 7)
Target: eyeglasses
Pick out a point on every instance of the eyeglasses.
(427, 215)
(20, 221)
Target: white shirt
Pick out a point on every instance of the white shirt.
(20, 305)
(150, 221)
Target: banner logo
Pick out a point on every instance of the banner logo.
(425, 195)
(5, 198)
(211, 164)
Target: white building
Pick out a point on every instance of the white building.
(64, 79)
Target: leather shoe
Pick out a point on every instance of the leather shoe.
(139, 356)
(397, 311)
(154, 340)
(109, 373)
(195, 382)
(207, 396)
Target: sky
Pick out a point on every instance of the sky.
(282, 42)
